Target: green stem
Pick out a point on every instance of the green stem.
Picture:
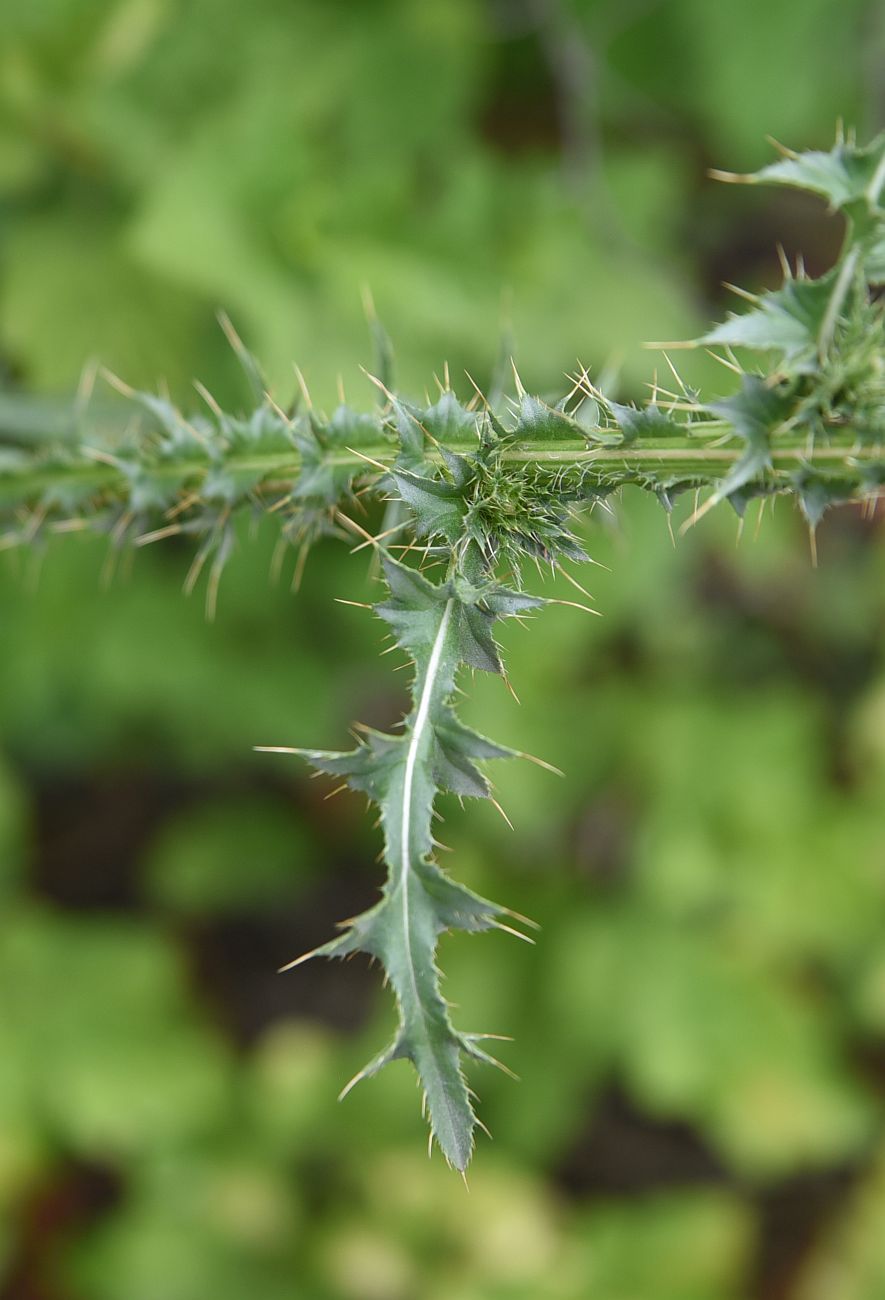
(654, 459)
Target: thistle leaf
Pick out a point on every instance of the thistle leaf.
(441, 626)
(817, 492)
(448, 420)
(843, 176)
(438, 505)
(755, 412)
(238, 455)
(789, 320)
(643, 422)
(323, 479)
(535, 419)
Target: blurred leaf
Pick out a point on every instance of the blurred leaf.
(221, 1225)
(694, 1247)
(850, 1260)
(12, 830)
(292, 1081)
(243, 855)
(132, 1066)
(71, 267)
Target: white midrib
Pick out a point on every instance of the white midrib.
(422, 716)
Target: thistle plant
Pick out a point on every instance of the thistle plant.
(477, 496)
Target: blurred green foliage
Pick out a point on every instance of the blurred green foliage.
(701, 1025)
(158, 161)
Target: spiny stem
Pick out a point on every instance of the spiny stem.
(648, 457)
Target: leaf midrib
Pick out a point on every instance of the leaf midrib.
(422, 716)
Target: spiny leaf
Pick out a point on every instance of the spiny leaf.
(643, 422)
(232, 476)
(447, 420)
(819, 492)
(844, 175)
(442, 626)
(755, 412)
(535, 419)
(324, 475)
(851, 179)
(438, 504)
(788, 320)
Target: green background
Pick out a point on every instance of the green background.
(700, 1030)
